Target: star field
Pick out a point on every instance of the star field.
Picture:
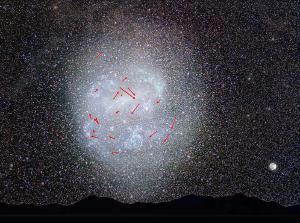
(228, 74)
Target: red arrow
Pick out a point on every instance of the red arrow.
(116, 95)
(135, 108)
(131, 91)
(127, 93)
(97, 120)
(167, 138)
(99, 54)
(94, 137)
(153, 134)
(111, 137)
(173, 123)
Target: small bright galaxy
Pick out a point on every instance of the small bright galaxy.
(132, 113)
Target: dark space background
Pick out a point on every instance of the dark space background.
(251, 70)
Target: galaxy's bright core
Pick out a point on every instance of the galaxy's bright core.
(149, 101)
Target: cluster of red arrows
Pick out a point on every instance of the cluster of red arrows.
(132, 95)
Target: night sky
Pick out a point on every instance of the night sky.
(217, 83)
